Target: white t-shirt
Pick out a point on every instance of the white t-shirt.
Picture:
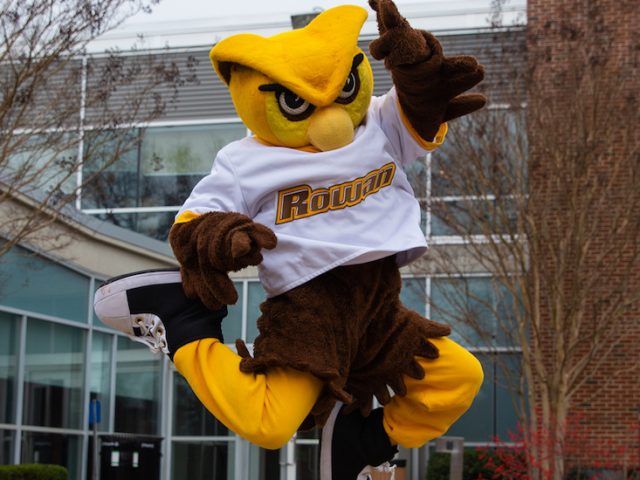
(341, 207)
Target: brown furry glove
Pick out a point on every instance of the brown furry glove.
(428, 83)
(213, 244)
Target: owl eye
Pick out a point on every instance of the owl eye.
(351, 87)
(292, 106)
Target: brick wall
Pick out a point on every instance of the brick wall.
(560, 33)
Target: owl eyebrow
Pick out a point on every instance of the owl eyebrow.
(271, 87)
(357, 60)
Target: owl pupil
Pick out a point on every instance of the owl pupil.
(292, 106)
(350, 89)
(292, 100)
(348, 86)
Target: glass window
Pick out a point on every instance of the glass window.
(232, 324)
(7, 438)
(186, 149)
(508, 374)
(257, 295)
(33, 283)
(478, 423)
(96, 321)
(506, 307)
(152, 224)
(473, 177)
(9, 341)
(471, 162)
(413, 294)
(190, 417)
(493, 413)
(100, 374)
(110, 170)
(472, 307)
(417, 175)
(473, 217)
(54, 375)
(174, 159)
(442, 183)
(450, 218)
(263, 464)
(197, 460)
(480, 311)
(307, 461)
(423, 219)
(52, 448)
(138, 383)
(308, 454)
(155, 167)
(45, 162)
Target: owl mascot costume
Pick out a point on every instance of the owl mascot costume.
(317, 198)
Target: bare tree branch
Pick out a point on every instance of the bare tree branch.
(547, 199)
(62, 108)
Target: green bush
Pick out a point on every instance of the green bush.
(33, 472)
(472, 468)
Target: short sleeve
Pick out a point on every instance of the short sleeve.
(217, 192)
(406, 142)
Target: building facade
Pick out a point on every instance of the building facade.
(585, 62)
(57, 357)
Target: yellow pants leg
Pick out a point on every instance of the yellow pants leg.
(264, 409)
(434, 403)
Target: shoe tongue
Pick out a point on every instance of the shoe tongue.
(376, 442)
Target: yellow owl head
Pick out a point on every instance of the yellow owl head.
(306, 88)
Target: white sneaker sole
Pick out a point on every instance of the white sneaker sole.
(110, 301)
(325, 443)
(325, 449)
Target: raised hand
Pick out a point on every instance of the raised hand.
(429, 85)
(399, 43)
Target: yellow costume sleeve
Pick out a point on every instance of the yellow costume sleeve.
(434, 403)
(426, 144)
(186, 216)
(265, 409)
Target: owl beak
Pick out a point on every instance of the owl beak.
(330, 128)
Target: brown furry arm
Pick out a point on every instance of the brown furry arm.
(213, 244)
(428, 84)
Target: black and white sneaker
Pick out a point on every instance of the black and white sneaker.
(152, 308)
(351, 443)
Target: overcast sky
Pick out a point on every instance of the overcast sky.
(184, 23)
(186, 9)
